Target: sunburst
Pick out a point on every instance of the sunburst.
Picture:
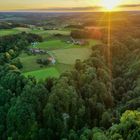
(110, 4)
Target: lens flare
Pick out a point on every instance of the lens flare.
(110, 4)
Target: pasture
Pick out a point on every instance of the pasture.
(57, 43)
(44, 33)
(44, 73)
(4, 32)
(29, 62)
(69, 56)
(54, 45)
(65, 55)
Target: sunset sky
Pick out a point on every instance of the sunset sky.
(8, 5)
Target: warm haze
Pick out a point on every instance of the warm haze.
(68, 5)
(69, 69)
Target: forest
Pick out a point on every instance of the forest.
(90, 102)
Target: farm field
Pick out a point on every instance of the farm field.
(17, 30)
(50, 45)
(63, 32)
(69, 56)
(29, 62)
(4, 32)
(23, 29)
(48, 33)
(59, 44)
(44, 33)
(63, 67)
(44, 73)
(54, 44)
(64, 54)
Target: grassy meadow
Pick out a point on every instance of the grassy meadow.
(44, 73)
(65, 53)
(44, 33)
(69, 56)
(4, 32)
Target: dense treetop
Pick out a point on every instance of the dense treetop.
(85, 103)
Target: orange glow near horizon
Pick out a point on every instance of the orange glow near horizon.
(64, 4)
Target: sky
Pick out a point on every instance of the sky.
(9, 5)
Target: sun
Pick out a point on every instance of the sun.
(110, 4)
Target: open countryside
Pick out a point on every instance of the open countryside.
(63, 49)
(70, 70)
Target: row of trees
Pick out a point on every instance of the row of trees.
(11, 46)
(8, 25)
(87, 34)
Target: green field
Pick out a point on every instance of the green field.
(65, 55)
(54, 45)
(38, 31)
(44, 73)
(4, 32)
(60, 44)
(63, 32)
(29, 62)
(63, 67)
(69, 56)
(23, 29)
(44, 33)
(17, 30)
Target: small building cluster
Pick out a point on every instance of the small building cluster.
(52, 60)
(34, 44)
(37, 51)
(46, 61)
(79, 42)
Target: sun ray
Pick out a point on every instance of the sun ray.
(110, 4)
(109, 53)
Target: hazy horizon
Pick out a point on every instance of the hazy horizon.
(62, 5)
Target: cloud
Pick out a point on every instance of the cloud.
(72, 9)
(130, 6)
(81, 9)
